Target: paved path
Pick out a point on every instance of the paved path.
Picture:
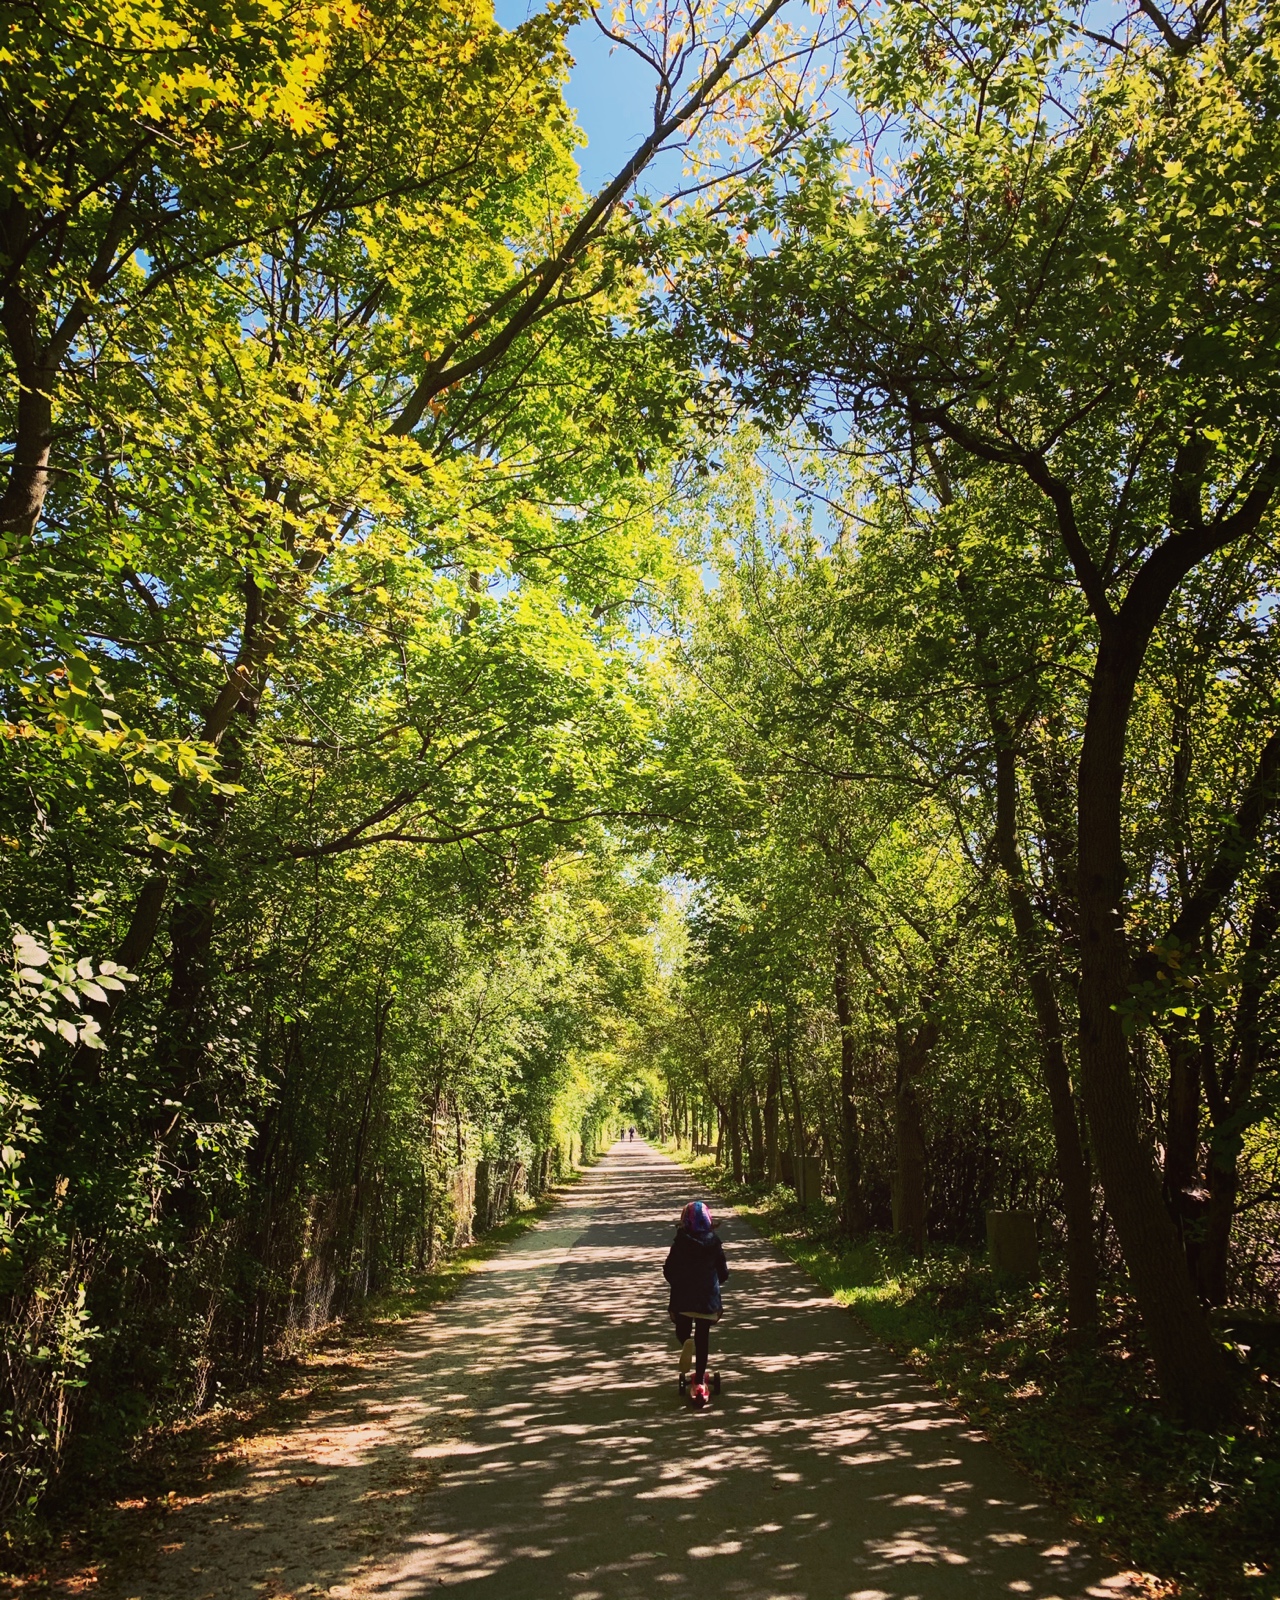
(528, 1440)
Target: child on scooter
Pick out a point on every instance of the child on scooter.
(695, 1268)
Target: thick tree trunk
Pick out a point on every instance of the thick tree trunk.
(38, 354)
(35, 367)
(854, 1220)
(908, 1133)
(135, 947)
(24, 494)
(1072, 1162)
(1192, 1374)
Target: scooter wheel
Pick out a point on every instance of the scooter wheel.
(683, 1381)
(715, 1383)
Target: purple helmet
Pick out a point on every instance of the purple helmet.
(695, 1218)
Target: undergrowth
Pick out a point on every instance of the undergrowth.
(99, 1517)
(1200, 1510)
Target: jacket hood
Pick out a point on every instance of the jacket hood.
(706, 1240)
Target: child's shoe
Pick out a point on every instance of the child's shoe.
(700, 1393)
(686, 1356)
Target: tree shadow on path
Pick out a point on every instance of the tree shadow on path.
(529, 1440)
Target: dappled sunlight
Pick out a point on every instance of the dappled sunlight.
(528, 1439)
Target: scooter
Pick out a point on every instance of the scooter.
(686, 1387)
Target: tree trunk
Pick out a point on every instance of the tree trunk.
(1071, 1157)
(854, 1219)
(37, 362)
(192, 918)
(382, 1010)
(1182, 1142)
(1182, 1132)
(1072, 1162)
(36, 372)
(735, 1134)
(1215, 1251)
(135, 947)
(908, 1133)
(755, 1170)
(772, 1095)
(799, 1139)
(1229, 1098)
(180, 1050)
(1192, 1373)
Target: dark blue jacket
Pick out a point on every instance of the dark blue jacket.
(695, 1268)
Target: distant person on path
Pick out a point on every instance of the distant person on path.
(632, 1136)
(695, 1268)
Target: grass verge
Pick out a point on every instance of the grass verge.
(97, 1521)
(1199, 1510)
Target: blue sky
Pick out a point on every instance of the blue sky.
(611, 91)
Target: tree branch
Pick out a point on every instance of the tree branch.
(1260, 799)
(444, 371)
(355, 839)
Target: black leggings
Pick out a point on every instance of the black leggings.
(700, 1328)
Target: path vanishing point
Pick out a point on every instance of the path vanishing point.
(527, 1441)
